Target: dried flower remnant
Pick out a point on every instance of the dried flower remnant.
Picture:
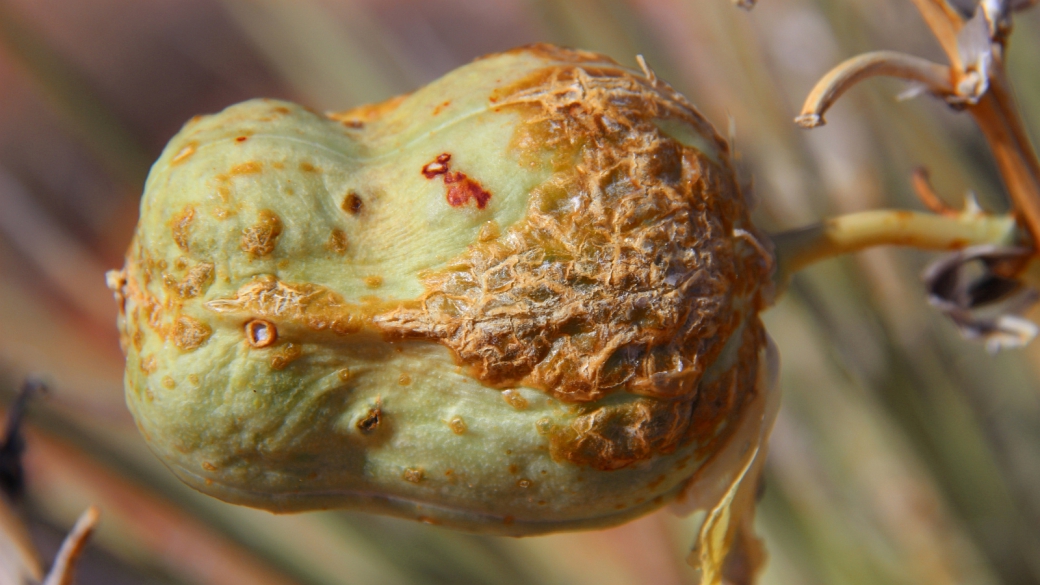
(974, 81)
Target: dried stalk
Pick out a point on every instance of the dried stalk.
(801, 247)
(975, 80)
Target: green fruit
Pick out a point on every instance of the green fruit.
(522, 299)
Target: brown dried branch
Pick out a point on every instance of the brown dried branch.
(65, 562)
(923, 188)
(937, 78)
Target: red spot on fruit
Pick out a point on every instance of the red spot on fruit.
(460, 187)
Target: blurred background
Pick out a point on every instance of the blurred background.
(902, 453)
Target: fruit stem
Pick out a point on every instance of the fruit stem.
(798, 248)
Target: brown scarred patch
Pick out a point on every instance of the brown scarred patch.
(181, 227)
(189, 333)
(246, 168)
(616, 436)
(623, 274)
(337, 241)
(413, 474)
(286, 355)
(260, 239)
(194, 282)
(302, 305)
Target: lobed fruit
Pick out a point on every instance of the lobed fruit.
(522, 299)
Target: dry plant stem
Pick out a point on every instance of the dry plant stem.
(923, 188)
(65, 562)
(936, 77)
(796, 249)
(997, 117)
(944, 23)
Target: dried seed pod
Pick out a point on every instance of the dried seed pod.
(544, 244)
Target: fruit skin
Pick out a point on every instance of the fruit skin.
(523, 299)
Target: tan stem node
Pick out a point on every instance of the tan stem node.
(937, 78)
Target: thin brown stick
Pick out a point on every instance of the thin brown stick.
(937, 78)
(997, 117)
(65, 562)
(944, 23)
(922, 185)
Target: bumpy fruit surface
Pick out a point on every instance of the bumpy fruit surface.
(522, 299)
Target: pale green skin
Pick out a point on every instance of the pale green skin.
(287, 440)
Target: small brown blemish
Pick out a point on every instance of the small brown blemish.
(181, 227)
(489, 231)
(460, 187)
(440, 107)
(260, 333)
(260, 239)
(404, 379)
(374, 281)
(184, 153)
(413, 474)
(353, 204)
(544, 426)
(343, 374)
(241, 139)
(656, 482)
(247, 168)
(337, 241)
(189, 333)
(524, 483)
(149, 365)
(285, 356)
(195, 281)
(370, 422)
(439, 166)
(458, 426)
(508, 520)
(309, 168)
(208, 466)
(514, 469)
(515, 399)
(169, 383)
(193, 379)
